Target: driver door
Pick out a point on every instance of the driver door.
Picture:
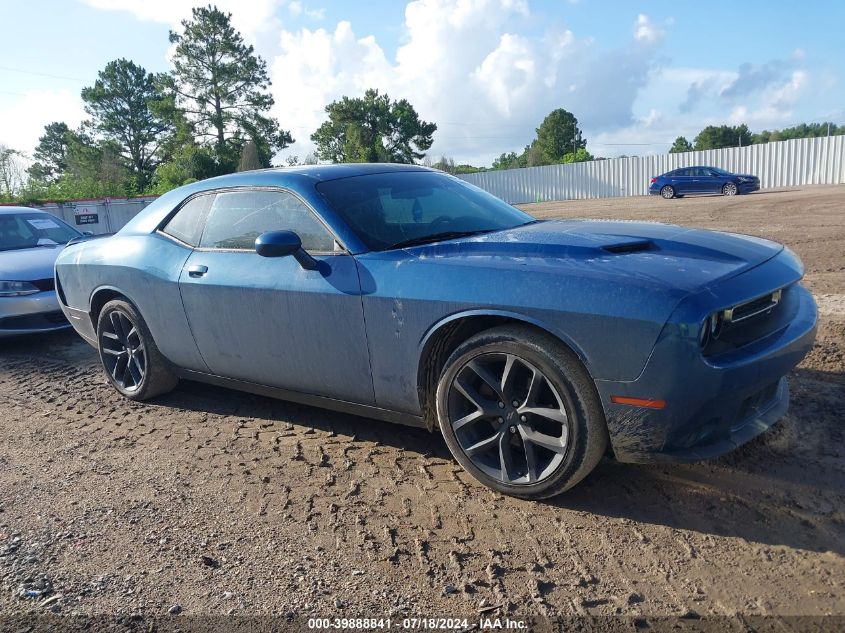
(268, 320)
(712, 181)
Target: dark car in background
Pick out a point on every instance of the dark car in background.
(691, 180)
(30, 241)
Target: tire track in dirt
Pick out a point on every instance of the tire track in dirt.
(413, 511)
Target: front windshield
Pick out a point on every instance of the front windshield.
(396, 208)
(29, 230)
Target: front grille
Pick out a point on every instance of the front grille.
(44, 284)
(745, 323)
(33, 321)
(754, 307)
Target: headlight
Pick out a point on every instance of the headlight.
(16, 288)
(742, 179)
(704, 332)
(711, 328)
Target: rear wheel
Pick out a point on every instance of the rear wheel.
(667, 192)
(520, 413)
(730, 189)
(129, 355)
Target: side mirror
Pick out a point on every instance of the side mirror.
(282, 244)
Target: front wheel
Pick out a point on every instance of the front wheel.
(520, 413)
(730, 189)
(129, 355)
(667, 192)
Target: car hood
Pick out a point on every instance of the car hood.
(28, 264)
(658, 254)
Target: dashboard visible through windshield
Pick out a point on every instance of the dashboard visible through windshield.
(28, 230)
(393, 210)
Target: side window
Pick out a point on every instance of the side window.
(236, 218)
(186, 225)
(682, 172)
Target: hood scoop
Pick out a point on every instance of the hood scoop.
(636, 246)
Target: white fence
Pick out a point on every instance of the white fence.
(107, 215)
(807, 161)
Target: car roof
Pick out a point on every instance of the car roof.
(301, 180)
(12, 210)
(698, 167)
(315, 173)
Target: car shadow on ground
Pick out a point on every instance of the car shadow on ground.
(61, 345)
(754, 494)
(765, 192)
(693, 196)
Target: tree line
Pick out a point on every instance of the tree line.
(722, 136)
(150, 132)
(209, 115)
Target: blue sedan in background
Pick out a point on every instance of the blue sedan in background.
(400, 293)
(692, 180)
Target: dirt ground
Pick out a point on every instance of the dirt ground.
(218, 502)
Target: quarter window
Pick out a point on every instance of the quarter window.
(236, 218)
(186, 225)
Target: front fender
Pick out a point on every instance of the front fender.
(505, 314)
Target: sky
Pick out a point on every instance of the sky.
(636, 73)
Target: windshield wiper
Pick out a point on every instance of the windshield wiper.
(19, 248)
(436, 237)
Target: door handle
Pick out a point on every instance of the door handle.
(197, 270)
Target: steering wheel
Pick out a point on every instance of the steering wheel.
(443, 219)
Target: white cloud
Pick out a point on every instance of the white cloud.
(315, 68)
(297, 8)
(26, 117)
(465, 66)
(682, 101)
(646, 31)
(251, 17)
(788, 93)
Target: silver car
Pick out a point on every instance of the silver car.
(30, 241)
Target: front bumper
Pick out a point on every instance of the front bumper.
(31, 314)
(713, 404)
(748, 187)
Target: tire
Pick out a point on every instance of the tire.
(667, 191)
(129, 356)
(491, 432)
(730, 189)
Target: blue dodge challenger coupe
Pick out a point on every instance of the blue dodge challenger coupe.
(400, 293)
